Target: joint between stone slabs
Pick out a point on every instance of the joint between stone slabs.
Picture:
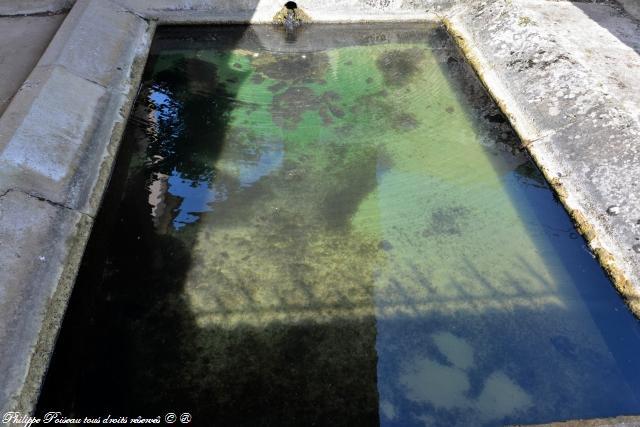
(126, 9)
(544, 135)
(527, 143)
(37, 14)
(68, 70)
(134, 13)
(44, 199)
(548, 134)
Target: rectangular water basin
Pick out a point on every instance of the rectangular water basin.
(335, 225)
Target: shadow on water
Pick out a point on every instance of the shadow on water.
(539, 208)
(130, 344)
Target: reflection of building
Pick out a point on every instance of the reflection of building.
(162, 203)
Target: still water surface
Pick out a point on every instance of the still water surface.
(335, 227)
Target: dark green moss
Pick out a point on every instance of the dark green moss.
(294, 68)
(399, 66)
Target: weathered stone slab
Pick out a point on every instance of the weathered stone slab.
(59, 135)
(544, 80)
(40, 249)
(31, 7)
(97, 42)
(263, 11)
(610, 51)
(43, 132)
(23, 39)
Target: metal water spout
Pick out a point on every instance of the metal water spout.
(291, 20)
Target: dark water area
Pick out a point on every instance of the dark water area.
(334, 226)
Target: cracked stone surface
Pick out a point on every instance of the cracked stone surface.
(23, 39)
(58, 140)
(41, 141)
(611, 50)
(33, 7)
(56, 150)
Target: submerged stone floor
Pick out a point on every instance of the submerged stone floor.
(565, 73)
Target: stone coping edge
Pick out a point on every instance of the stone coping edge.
(59, 138)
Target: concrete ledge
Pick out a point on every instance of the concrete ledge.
(34, 7)
(96, 42)
(325, 17)
(263, 11)
(49, 148)
(38, 267)
(41, 140)
(539, 73)
(595, 166)
(23, 39)
(58, 142)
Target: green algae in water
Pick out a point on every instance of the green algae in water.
(343, 230)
